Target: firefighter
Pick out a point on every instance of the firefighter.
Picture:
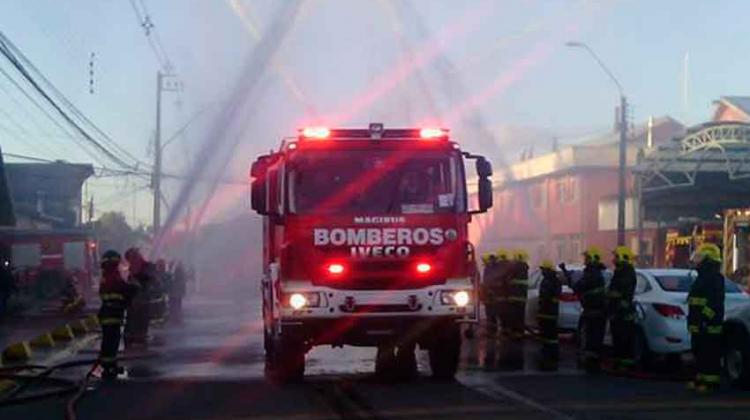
(115, 294)
(141, 273)
(592, 294)
(7, 285)
(547, 315)
(177, 292)
(516, 309)
(489, 295)
(620, 308)
(705, 317)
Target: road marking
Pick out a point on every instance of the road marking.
(484, 384)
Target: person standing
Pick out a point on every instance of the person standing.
(591, 292)
(547, 316)
(517, 309)
(138, 319)
(706, 317)
(7, 286)
(490, 295)
(177, 290)
(620, 308)
(115, 294)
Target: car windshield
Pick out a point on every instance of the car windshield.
(682, 283)
(375, 182)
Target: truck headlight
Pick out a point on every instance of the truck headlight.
(298, 301)
(460, 298)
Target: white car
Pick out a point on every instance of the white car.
(661, 303)
(661, 309)
(570, 307)
(737, 346)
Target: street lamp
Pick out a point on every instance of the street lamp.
(623, 140)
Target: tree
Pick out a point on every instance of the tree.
(114, 232)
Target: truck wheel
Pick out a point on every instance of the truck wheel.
(444, 355)
(737, 359)
(285, 361)
(385, 362)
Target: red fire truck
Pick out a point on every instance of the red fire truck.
(365, 243)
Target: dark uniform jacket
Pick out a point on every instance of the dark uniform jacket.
(621, 292)
(519, 282)
(706, 300)
(496, 282)
(591, 290)
(116, 294)
(549, 295)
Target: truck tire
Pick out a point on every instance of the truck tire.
(737, 358)
(444, 355)
(385, 362)
(285, 361)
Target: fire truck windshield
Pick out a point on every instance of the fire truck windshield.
(375, 182)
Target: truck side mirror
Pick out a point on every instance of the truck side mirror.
(484, 168)
(485, 194)
(258, 172)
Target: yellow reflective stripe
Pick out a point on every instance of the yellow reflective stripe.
(110, 321)
(594, 291)
(550, 341)
(517, 299)
(712, 379)
(693, 329)
(708, 312)
(112, 296)
(697, 301)
(521, 282)
(546, 316)
(108, 359)
(714, 329)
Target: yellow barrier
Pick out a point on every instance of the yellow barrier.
(17, 352)
(63, 333)
(42, 341)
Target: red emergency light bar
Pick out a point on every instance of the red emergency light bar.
(375, 132)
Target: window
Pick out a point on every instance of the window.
(642, 285)
(538, 196)
(567, 188)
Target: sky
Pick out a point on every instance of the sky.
(495, 65)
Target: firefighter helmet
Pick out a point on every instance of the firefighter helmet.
(709, 252)
(592, 253)
(520, 255)
(111, 256)
(547, 265)
(624, 254)
(502, 254)
(486, 258)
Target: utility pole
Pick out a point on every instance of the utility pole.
(157, 157)
(623, 117)
(621, 184)
(158, 149)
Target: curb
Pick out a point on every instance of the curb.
(17, 352)
(43, 341)
(63, 333)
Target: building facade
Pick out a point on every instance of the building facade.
(555, 205)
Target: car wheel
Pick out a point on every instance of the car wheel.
(737, 359)
(444, 355)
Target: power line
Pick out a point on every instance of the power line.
(11, 53)
(152, 35)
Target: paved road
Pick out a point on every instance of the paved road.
(211, 368)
